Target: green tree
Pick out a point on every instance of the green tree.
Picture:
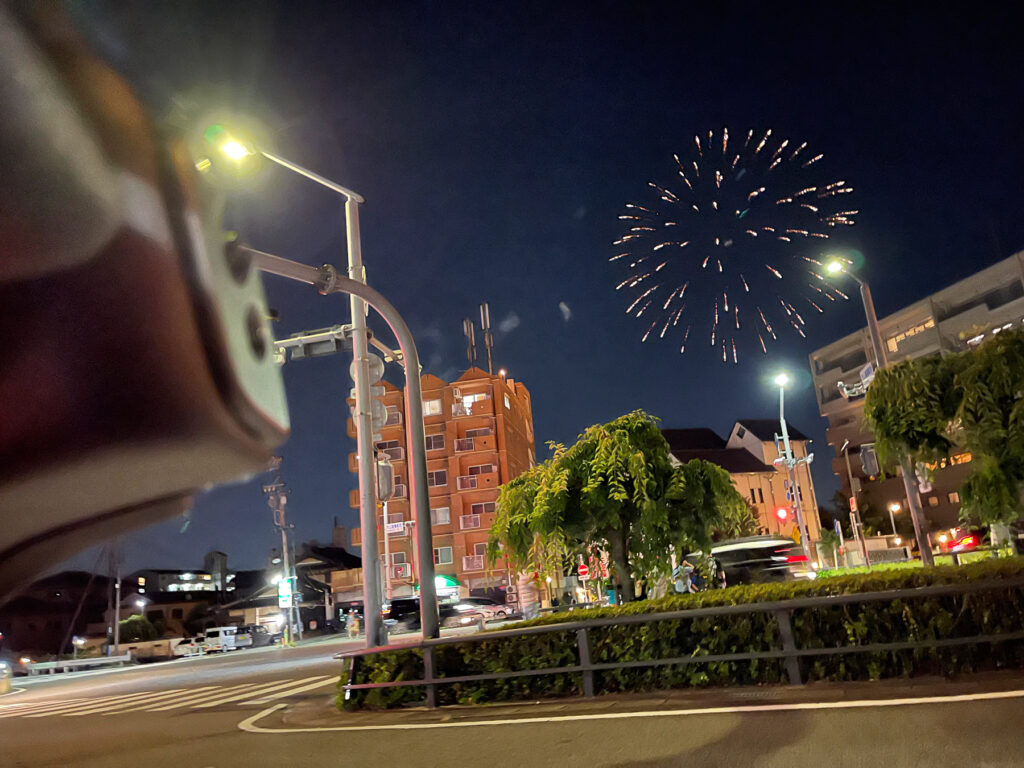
(137, 628)
(617, 489)
(967, 401)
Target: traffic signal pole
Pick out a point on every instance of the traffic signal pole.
(326, 279)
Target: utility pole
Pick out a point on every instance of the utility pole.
(277, 498)
(116, 554)
(790, 463)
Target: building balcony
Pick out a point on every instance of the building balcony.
(466, 482)
(465, 444)
(479, 408)
(469, 522)
(395, 454)
(473, 563)
(394, 418)
(401, 571)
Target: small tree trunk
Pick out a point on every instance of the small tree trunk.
(620, 558)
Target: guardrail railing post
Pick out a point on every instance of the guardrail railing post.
(583, 644)
(788, 646)
(428, 676)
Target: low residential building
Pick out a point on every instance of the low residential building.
(955, 318)
(479, 435)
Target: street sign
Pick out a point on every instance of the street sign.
(838, 528)
(398, 527)
(584, 571)
(284, 593)
(867, 374)
(853, 503)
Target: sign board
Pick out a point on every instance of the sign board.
(838, 528)
(867, 374)
(395, 528)
(584, 571)
(853, 503)
(284, 593)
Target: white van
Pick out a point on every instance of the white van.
(220, 639)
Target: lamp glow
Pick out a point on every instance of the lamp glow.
(235, 150)
(834, 267)
(782, 380)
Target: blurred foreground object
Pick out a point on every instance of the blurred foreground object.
(137, 367)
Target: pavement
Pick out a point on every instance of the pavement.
(274, 707)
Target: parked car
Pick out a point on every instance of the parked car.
(261, 636)
(760, 558)
(491, 609)
(190, 646)
(243, 636)
(16, 662)
(403, 614)
(220, 639)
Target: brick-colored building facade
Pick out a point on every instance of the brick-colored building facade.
(479, 434)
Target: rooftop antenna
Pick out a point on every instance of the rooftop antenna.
(485, 326)
(467, 329)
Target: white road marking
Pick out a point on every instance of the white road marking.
(131, 702)
(55, 707)
(324, 680)
(249, 723)
(14, 710)
(265, 689)
(190, 700)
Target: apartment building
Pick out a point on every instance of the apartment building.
(748, 457)
(479, 434)
(955, 318)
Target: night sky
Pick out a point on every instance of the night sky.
(496, 144)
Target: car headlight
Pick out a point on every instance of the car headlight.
(466, 620)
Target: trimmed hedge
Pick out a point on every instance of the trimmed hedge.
(997, 610)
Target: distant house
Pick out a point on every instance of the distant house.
(747, 456)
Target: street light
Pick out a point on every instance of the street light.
(232, 147)
(893, 508)
(782, 380)
(837, 266)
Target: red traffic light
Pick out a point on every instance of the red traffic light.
(782, 513)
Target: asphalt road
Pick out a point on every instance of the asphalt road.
(273, 707)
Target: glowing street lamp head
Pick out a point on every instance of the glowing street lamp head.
(235, 150)
(895, 507)
(834, 267)
(782, 380)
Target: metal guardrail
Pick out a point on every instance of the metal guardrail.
(67, 665)
(782, 610)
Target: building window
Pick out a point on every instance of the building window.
(753, 496)
(760, 493)
(483, 508)
(954, 497)
(394, 416)
(438, 477)
(469, 522)
(435, 442)
(440, 516)
(508, 404)
(142, 581)
(480, 549)
(482, 469)
(442, 555)
(479, 432)
(474, 397)
(383, 445)
(893, 342)
(741, 432)
(398, 558)
(933, 501)
(432, 407)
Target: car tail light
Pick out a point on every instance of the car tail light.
(797, 558)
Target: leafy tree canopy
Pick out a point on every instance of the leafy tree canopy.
(966, 401)
(617, 489)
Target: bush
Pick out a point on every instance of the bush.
(997, 610)
(137, 628)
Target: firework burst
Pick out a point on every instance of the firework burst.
(737, 226)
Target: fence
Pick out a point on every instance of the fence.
(782, 611)
(69, 665)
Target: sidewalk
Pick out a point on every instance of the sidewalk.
(319, 712)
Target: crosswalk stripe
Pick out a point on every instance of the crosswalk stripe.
(130, 701)
(68, 706)
(190, 700)
(327, 679)
(267, 689)
(34, 707)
